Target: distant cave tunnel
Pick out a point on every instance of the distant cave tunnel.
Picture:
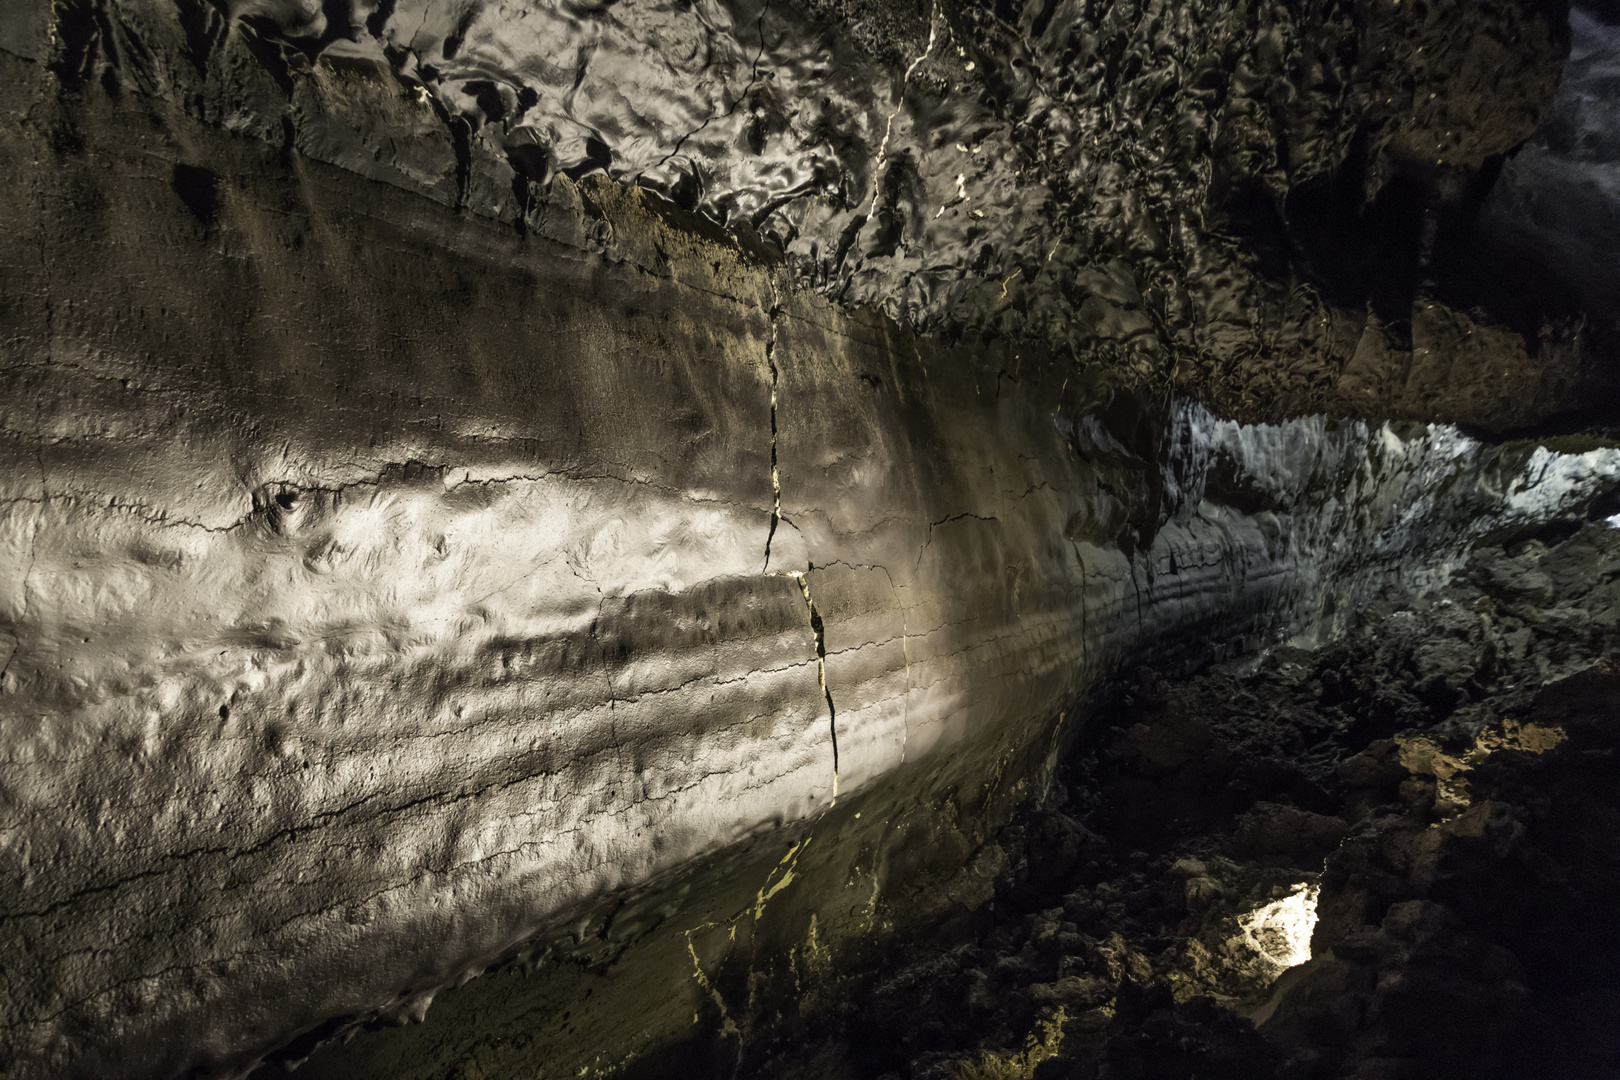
(889, 540)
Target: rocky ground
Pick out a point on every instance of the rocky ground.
(1392, 857)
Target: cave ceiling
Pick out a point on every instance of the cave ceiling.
(1272, 207)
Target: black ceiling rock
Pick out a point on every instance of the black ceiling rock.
(1271, 206)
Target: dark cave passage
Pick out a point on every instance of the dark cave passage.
(883, 540)
(1412, 827)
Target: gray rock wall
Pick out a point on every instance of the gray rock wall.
(382, 589)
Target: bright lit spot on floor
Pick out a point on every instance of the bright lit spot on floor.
(1613, 520)
(1281, 930)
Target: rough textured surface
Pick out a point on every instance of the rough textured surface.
(1270, 206)
(1559, 196)
(424, 553)
(1432, 793)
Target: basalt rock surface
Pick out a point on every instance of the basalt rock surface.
(1272, 207)
(458, 518)
(1411, 826)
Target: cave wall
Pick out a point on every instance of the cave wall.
(390, 591)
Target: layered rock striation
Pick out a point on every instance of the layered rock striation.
(423, 552)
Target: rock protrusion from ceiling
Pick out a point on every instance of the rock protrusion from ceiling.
(1559, 197)
(1240, 201)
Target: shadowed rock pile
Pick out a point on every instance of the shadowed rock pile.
(1436, 794)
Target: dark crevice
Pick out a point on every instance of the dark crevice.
(205, 29)
(819, 629)
(776, 479)
(198, 189)
(598, 158)
(296, 1052)
(454, 40)
(461, 140)
(261, 36)
(377, 21)
(79, 43)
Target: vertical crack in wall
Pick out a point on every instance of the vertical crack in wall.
(819, 629)
(776, 476)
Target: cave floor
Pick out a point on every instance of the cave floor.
(1392, 856)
